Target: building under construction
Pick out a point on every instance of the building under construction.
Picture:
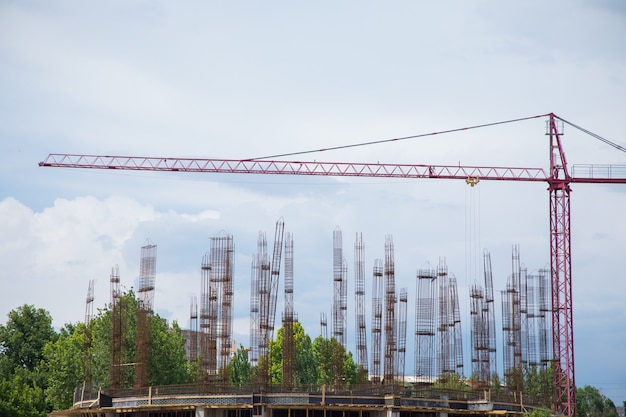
(383, 387)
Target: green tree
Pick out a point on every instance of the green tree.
(538, 384)
(496, 383)
(23, 380)
(591, 403)
(306, 372)
(275, 365)
(168, 364)
(19, 397)
(101, 330)
(239, 368)
(24, 336)
(539, 412)
(335, 367)
(65, 365)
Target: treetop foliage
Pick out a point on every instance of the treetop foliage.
(40, 369)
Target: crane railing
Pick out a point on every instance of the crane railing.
(600, 172)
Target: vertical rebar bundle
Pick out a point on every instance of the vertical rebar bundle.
(479, 336)
(339, 288)
(221, 281)
(268, 288)
(343, 307)
(512, 326)
(216, 305)
(377, 317)
(402, 313)
(260, 271)
(116, 330)
(193, 329)
(458, 334)
(508, 340)
(425, 320)
(450, 355)
(524, 318)
(517, 307)
(545, 310)
(359, 299)
(208, 320)
(390, 312)
(288, 317)
(87, 343)
(444, 324)
(323, 326)
(275, 274)
(538, 288)
(147, 276)
(532, 315)
(490, 314)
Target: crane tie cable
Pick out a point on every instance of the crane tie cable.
(375, 142)
(600, 138)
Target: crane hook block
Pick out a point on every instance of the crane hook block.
(472, 181)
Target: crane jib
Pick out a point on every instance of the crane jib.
(295, 167)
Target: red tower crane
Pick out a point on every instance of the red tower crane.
(559, 177)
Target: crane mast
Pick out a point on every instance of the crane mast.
(558, 178)
(564, 387)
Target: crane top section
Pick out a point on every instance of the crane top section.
(589, 174)
(558, 175)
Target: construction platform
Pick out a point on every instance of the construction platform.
(369, 401)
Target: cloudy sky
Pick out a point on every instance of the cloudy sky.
(249, 79)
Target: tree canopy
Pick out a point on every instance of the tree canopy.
(22, 342)
(591, 403)
(40, 369)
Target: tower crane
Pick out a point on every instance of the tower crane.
(559, 178)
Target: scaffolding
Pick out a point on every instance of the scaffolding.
(143, 345)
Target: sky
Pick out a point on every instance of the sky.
(245, 80)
